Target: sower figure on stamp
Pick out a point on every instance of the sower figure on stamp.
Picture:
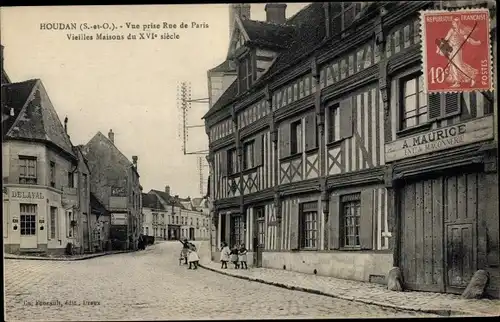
(451, 47)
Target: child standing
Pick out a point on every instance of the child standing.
(234, 256)
(242, 256)
(193, 256)
(224, 255)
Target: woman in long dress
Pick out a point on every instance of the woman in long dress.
(193, 256)
(451, 46)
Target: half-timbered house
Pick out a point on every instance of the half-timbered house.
(306, 158)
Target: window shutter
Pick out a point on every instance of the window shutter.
(434, 106)
(310, 131)
(451, 103)
(366, 219)
(284, 139)
(345, 114)
(15, 163)
(334, 222)
(294, 226)
(257, 152)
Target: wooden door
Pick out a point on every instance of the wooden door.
(422, 251)
(259, 235)
(439, 244)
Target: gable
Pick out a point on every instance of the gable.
(238, 37)
(38, 120)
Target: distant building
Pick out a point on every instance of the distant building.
(155, 217)
(115, 182)
(183, 219)
(45, 196)
(99, 225)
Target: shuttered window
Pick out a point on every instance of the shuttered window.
(310, 137)
(333, 123)
(261, 224)
(296, 137)
(414, 102)
(248, 159)
(309, 225)
(27, 170)
(245, 73)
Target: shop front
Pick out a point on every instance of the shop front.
(445, 202)
(174, 232)
(33, 219)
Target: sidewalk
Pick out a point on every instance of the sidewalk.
(63, 257)
(364, 292)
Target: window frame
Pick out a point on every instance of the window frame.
(260, 218)
(354, 199)
(295, 139)
(29, 162)
(401, 101)
(246, 68)
(303, 229)
(232, 161)
(333, 106)
(32, 219)
(249, 162)
(344, 7)
(237, 229)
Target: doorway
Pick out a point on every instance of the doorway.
(191, 233)
(28, 225)
(259, 235)
(438, 224)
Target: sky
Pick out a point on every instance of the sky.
(129, 86)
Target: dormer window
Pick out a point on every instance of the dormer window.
(245, 72)
(343, 14)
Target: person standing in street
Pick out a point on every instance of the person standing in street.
(242, 257)
(234, 256)
(224, 255)
(193, 256)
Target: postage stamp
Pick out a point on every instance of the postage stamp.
(456, 50)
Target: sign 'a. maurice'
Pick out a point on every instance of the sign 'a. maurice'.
(441, 139)
(456, 50)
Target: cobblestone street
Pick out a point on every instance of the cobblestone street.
(151, 285)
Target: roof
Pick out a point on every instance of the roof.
(197, 202)
(96, 205)
(34, 116)
(168, 199)
(223, 67)
(300, 33)
(268, 34)
(151, 201)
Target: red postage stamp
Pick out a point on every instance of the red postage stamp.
(456, 50)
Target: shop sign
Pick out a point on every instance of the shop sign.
(27, 194)
(441, 139)
(118, 219)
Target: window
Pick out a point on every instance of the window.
(245, 73)
(232, 162)
(248, 150)
(351, 205)
(197, 222)
(261, 221)
(333, 123)
(52, 174)
(27, 170)
(71, 180)
(343, 15)
(237, 230)
(309, 225)
(53, 222)
(147, 231)
(414, 102)
(191, 221)
(28, 219)
(296, 138)
(177, 220)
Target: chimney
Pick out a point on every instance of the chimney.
(167, 190)
(241, 10)
(66, 125)
(111, 136)
(134, 161)
(276, 13)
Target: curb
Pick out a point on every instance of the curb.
(440, 312)
(61, 259)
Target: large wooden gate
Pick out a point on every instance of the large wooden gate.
(439, 243)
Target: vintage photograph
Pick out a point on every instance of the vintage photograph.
(239, 161)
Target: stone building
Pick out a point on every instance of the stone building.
(115, 182)
(45, 194)
(155, 217)
(304, 161)
(183, 218)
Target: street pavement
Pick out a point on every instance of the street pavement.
(150, 284)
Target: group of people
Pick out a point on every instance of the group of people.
(237, 255)
(189, 254)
